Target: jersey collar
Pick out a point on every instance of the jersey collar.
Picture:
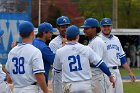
(23, 44)
(109, 37)
(71, 43)
(92, 39)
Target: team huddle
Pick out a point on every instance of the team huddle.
(76, 68)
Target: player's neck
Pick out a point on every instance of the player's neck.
(91, 36)
(72, 41)
(27, 40)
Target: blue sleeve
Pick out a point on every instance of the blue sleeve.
(123, 60)
(48, 55)
(105, 69)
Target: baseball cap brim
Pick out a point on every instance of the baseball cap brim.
(64, 24)
(84, 26)
(54, 30)
(107, 25)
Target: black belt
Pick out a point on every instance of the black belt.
(114, 67)
(35, 83)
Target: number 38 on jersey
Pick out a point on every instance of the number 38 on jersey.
(18, 65)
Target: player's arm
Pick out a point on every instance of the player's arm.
(127, 68)
(48, 55)
(57, 66)
(125, 65)
(98, 62)
(64, 40)
(132, 76)
(41, 81)
(38, 70)
(8, 78)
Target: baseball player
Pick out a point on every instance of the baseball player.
(45, 33)
(62, 23)
(115, 55)
(25, 64)
(91, 28)
(73, 60)
(4, 87)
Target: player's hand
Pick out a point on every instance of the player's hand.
(13, 44)
(64, 40)
(132, 76)
(111, 78)
(9, 80)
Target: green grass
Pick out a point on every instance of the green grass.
(125, 73)
(130, 87)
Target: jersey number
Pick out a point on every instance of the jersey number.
(74, 63)
(19, 65)
(117, 55)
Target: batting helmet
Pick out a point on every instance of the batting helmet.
(26, 27)
(63, 20)
(106, 21)
(90, 22)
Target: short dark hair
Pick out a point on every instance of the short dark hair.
(39, 34)
(98, 29)
(25, 35)
(71, 38)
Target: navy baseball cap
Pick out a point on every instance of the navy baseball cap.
(26, 27)
(72, 31)
(90, 22)
(1, 32)
(106, 21)
(63, 20)
(46, 27)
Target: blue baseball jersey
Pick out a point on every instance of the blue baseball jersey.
(114, 52)
(73, 60)
(47, 54)
(24, 60)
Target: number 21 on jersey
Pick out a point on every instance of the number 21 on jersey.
(74, 63)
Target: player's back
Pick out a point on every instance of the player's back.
(20, 64)
(75, 62)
